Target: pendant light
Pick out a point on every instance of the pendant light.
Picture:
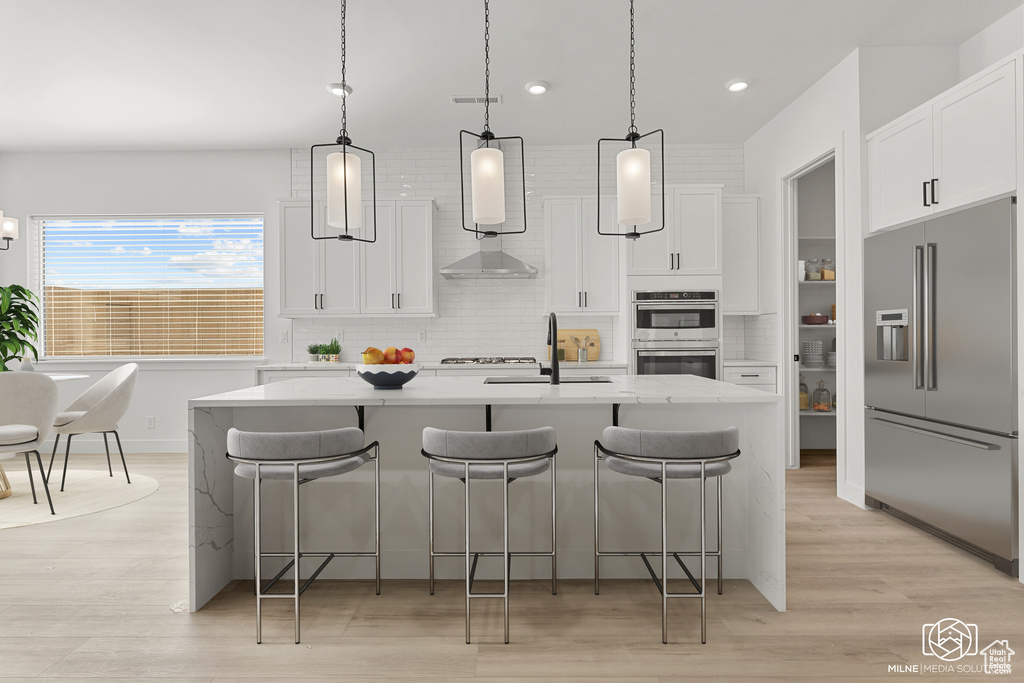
(632, 166)
(344, 174)
(487, 162)
(8, 230)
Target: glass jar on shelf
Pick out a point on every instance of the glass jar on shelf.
(821, 399)
(828, 269)
(812, 269)
(805, 395)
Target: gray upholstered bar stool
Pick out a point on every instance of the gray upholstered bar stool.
(660, 456)
(505, 456)
(301, 457)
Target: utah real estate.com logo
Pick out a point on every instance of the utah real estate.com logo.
(952, 640)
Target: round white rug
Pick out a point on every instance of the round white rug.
(86, 492)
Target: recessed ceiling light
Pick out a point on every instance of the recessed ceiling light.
(537, 87)
(338, 90)
(737, 85)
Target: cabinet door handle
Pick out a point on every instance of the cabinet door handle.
(579, 299)
(924, 193)
(585, 300)
(321, 302)
(392, 300)
(754, 375)
(315, 296)
(399, 299)
(935, 186)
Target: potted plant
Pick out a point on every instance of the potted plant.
(314, 352)
(18, 322)
(333, 350)
(322, 350)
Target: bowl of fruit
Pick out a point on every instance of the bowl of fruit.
(387, 369)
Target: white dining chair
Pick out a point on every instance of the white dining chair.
(97, 411)
(28, 404)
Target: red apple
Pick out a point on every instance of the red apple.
(392, 355)
(408, 355)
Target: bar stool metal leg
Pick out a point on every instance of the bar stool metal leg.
(295, 569)
(554, 534)
(468, 574)
(664, 557)
(597, 527)
(507, 559)
(376, 513)
(719, 482)
(703, 559)
(430, 505)
(257, 525)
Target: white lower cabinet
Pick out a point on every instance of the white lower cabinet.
(760, 377)
(582, 267)
(392, 276)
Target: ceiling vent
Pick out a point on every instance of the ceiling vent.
(456, 99)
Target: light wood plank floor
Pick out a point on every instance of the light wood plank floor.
(105, 596)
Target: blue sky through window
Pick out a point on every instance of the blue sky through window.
(154, 253)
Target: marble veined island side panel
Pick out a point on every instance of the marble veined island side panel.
(221, 511)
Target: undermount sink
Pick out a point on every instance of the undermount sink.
(592, 379)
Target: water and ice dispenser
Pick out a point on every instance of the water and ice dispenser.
(893, 327)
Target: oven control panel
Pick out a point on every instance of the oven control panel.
(709, 295)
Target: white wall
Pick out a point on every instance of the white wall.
(824, 118)
(998, 40)
(894, 80)
(498, 317)
(159, 182)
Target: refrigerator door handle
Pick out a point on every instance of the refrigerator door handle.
(981, 445)
(930, 366)
(917, 352)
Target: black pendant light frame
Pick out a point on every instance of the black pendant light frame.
(485, 139)
(632, 137)
(345, 142)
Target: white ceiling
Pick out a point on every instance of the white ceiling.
(250, 74)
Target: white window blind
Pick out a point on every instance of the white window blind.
(152, 286)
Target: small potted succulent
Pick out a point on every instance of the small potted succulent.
(322, 350)
(333, 350)
(314, 352)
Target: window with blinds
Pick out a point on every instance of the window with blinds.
(152, 286)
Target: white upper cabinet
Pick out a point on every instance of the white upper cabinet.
(582, 267)
(318, 277)
(392, 276)
(691, 243)
(740, 270)
(958, 149)
(399, 267)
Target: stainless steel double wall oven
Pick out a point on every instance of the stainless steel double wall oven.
(676, 333)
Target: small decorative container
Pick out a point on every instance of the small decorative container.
(813, 269)
(821, 400)
(333, 357)
(828, 269)
(805, 395)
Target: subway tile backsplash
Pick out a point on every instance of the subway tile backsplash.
(499, 317)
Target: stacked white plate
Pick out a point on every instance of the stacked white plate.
(811, 352)
(830, 359)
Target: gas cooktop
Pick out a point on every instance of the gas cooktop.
(510, 360)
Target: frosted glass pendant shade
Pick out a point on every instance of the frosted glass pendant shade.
(344, 168)
(633, 186)
(487, 166)
(8, 228)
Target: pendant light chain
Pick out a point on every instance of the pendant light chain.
(487, 66)
(632, 72)
(344, 98)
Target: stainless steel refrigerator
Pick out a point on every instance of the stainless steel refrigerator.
(941, 378)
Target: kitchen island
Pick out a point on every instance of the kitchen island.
(338, 512)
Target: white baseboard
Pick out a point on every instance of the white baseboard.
(93, 443)
(855, 494)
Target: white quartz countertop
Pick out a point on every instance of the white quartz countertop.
(352, 391)
(747, 362)
(327, 367)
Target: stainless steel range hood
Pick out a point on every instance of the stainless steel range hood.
(489, 263)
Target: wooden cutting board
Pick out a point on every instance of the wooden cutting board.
(571, 352)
